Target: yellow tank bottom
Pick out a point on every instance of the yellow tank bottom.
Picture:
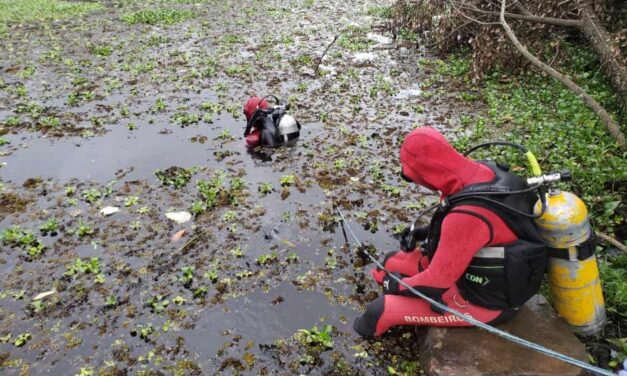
(577, 295)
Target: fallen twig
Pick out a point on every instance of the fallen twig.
(325, 52)
(612, 241)
(192, 241)
(452, 33)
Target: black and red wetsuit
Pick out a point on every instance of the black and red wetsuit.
(441, 272)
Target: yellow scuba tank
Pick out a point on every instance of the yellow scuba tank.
(573, 273)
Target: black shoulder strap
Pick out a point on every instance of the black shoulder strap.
(254, 118)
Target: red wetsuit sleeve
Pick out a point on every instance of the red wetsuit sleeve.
(462, 235)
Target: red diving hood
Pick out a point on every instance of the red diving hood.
(429, 160)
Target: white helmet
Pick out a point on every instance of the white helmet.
(289, 128)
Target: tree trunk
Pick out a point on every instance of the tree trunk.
(609, 55)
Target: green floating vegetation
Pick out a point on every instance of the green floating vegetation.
(83, 267)
(51, 226)
(177, 177)
(317, 337)
(160, 16)
(103, 50)
(16, 237)
(559, 128)
(213, 192)
(380, 11)
(355, 39)
(614, 274)
(287, 180)
(20, 11)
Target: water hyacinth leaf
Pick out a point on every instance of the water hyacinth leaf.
(611, 206)
(5, 338)
(22, 339)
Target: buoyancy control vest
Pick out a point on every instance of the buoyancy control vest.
(275, 125)
(499, 276)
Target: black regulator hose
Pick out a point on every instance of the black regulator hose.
(504, 206)
(422, 214)
(535, 168)
(496, 143)
(253, 120)
(478, 195)
(270, 96)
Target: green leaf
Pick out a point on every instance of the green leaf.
(22, 339)
(610, 207)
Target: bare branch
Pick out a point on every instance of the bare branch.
(612, 241)
(325, 52)
(557, 52)
(545, 20)
(523, 10)
(530, 17)
(458, 28)
(563, 2)
(611, 125)
(471, 18)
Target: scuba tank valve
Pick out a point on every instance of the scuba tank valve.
(550, 178)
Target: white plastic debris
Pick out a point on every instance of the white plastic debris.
(362, 57)
(179, 217)
(381, 39)
(45, 294)
(408, 93)
(109, 210)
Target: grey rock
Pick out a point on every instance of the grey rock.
(472, 351)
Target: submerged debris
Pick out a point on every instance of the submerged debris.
(44, 294)
(179, 217)
(109, 210)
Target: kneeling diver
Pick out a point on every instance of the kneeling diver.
(482, 257)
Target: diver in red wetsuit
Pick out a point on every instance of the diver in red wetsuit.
(482, 255)
(253, 136)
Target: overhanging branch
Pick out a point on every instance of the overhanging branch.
(611, 125)
(528, 17)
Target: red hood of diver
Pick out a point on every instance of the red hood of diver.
(429, 160)
(253, 104)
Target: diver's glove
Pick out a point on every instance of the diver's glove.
(391, 285)
(409, 237)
